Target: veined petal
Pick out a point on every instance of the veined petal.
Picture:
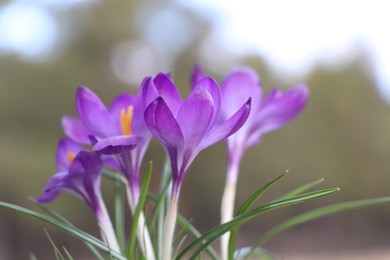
(279, 108)
(116, 144)
(167, 89)
(66, 152)
(237, 87)
(212, 88)
(52, 188)
(163, 125)
(122, 101)
(195, 115)
(93, 113)
(75, 129)
(196, 76)
(229, 127)
(85, 163)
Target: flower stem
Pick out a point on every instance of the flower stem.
(228, 199)
(107, 230)
(169, 225)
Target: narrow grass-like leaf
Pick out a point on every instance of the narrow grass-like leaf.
(179, 245)
(57, 252)
(186, 224)
(158, 205)
(33, 257)
(301, 189)
(67, 253)
(137, 213)
(207, 238)
(71, 230)
(317, 213)
(120, 215)
(244, 208)
(65, 221)
(114, 176)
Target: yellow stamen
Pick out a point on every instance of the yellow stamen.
(126, 119)
(70, 156)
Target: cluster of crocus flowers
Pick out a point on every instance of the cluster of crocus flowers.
(120, 134)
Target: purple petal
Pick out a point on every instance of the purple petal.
(164, 127)
(122, 101)
(52, 188)
(229, 127)
(195, 115)
(148, 90)
(196, 76)
(94, 114)
(237, 87)
(116, 145)
(280, 108)
(75, 130)
(85, 163)
(212, 88)
(66, 149)
(167, 89)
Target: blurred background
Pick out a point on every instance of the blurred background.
(339, 48)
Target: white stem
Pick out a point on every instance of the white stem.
(142, 232)
(227, 205)
(107, 230)
(169, 227)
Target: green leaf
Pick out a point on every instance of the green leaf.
(67, 253)
(244, 208)
(302, 189)
(71, 230)
(57, 252)
(317, 213)
(120, 214)
(212, 235)
(62, 219)
(259, 253)
(195, 233)
(137, 213)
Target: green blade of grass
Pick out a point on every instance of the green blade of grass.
(244, 208)
(71, 230)
(57, 252)
(317, 213)
(67, 253)
(213, 234)
(301, 189)
(62, 219)
(137, 213)
(120, 215)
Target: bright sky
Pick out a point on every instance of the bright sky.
(290, 35)
(294, 35)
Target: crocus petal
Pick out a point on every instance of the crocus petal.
(93, 113)
(75, 129)
(116, 144)
(229, 127)
(66, 150)
(164, 127)
(237, 87)
(166, 89)
(122, 101)
(280, 108)
(195, 115)
(212, 88)
(52, 188)
(196, 76)
(84, 163)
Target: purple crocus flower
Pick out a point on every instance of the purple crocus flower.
(119, 130)
(184, 128)
(267, 114)
(79, 173)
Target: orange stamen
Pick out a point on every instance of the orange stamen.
(70, 156)
(126, 119)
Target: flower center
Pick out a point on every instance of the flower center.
(70, 156)
(126, 119)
